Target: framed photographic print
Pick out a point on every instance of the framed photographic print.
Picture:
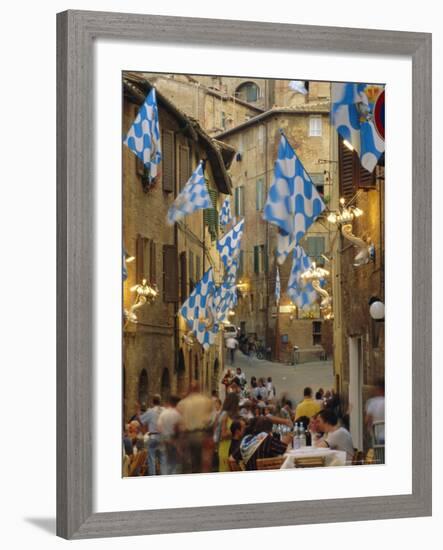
(244, 291)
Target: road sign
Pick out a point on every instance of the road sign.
(379, 114)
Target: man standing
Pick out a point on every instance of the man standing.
(197, 442)
(241, 376)
(375, 414)
(231, 344)
(155, 445)
(308, 407)
(169, 425)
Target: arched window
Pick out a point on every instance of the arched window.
(143, 388)
(181, 372)
(196, 373)
(166, 386)
(248, 91)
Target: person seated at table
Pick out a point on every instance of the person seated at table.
(237, 431)
(260, 444)
(309, 406)
(336, 437)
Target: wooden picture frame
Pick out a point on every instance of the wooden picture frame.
(76, 32)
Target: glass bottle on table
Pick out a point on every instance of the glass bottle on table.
(296, 441)
(302, 436)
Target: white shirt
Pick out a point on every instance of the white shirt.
(231, 343)
(168, 421)
(375, 407)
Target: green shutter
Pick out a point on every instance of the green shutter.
(259, 195)
(210, 215)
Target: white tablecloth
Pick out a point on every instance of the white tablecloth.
(332, 458)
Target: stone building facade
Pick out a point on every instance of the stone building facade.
(156, 355)
(201, 98)
(256, 141)
(359, 340)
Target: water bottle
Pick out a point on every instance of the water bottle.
(302, 437)
(296, 444)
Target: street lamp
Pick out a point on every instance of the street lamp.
(343, 218)
(314, 275)
(145, 294)
(376, 309)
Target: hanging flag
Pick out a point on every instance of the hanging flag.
(293, 203)
(298, 86)
(194, 196)
(225, 213)
(198, 310)
(229, 245)
(353, 107)
(231, 272)
(277, 287)
(226, 294)
(143, 137)
(301, 294)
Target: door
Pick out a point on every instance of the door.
(356, 390)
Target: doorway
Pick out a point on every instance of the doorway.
(165, 386)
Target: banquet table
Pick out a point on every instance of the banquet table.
(332, 458)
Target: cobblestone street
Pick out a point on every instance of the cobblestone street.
(289, 378)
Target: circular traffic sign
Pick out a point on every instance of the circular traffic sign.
(379, 114)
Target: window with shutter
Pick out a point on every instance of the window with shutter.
(168, 161)
(352, 174)
(170, 276)
(365, 179)
(143, 259)
(256, 259)
(315, 126)
(346, 171)
(239, 201)
(184, 167)
(315, 247)
(183, 277)
(198, 268)
(210, 215)
(152, 263)
(260, 194)
(191, 266)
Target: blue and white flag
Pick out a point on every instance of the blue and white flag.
(298, 86)
(143, 137)
(194, 196)
(301, 294)
(226, 294)
(353, 116)
(229, 245)
(225, 213)
(277, 287)
(198, 310)
(225, 300)
(293, 202)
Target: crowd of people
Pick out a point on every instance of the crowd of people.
(239, 424)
